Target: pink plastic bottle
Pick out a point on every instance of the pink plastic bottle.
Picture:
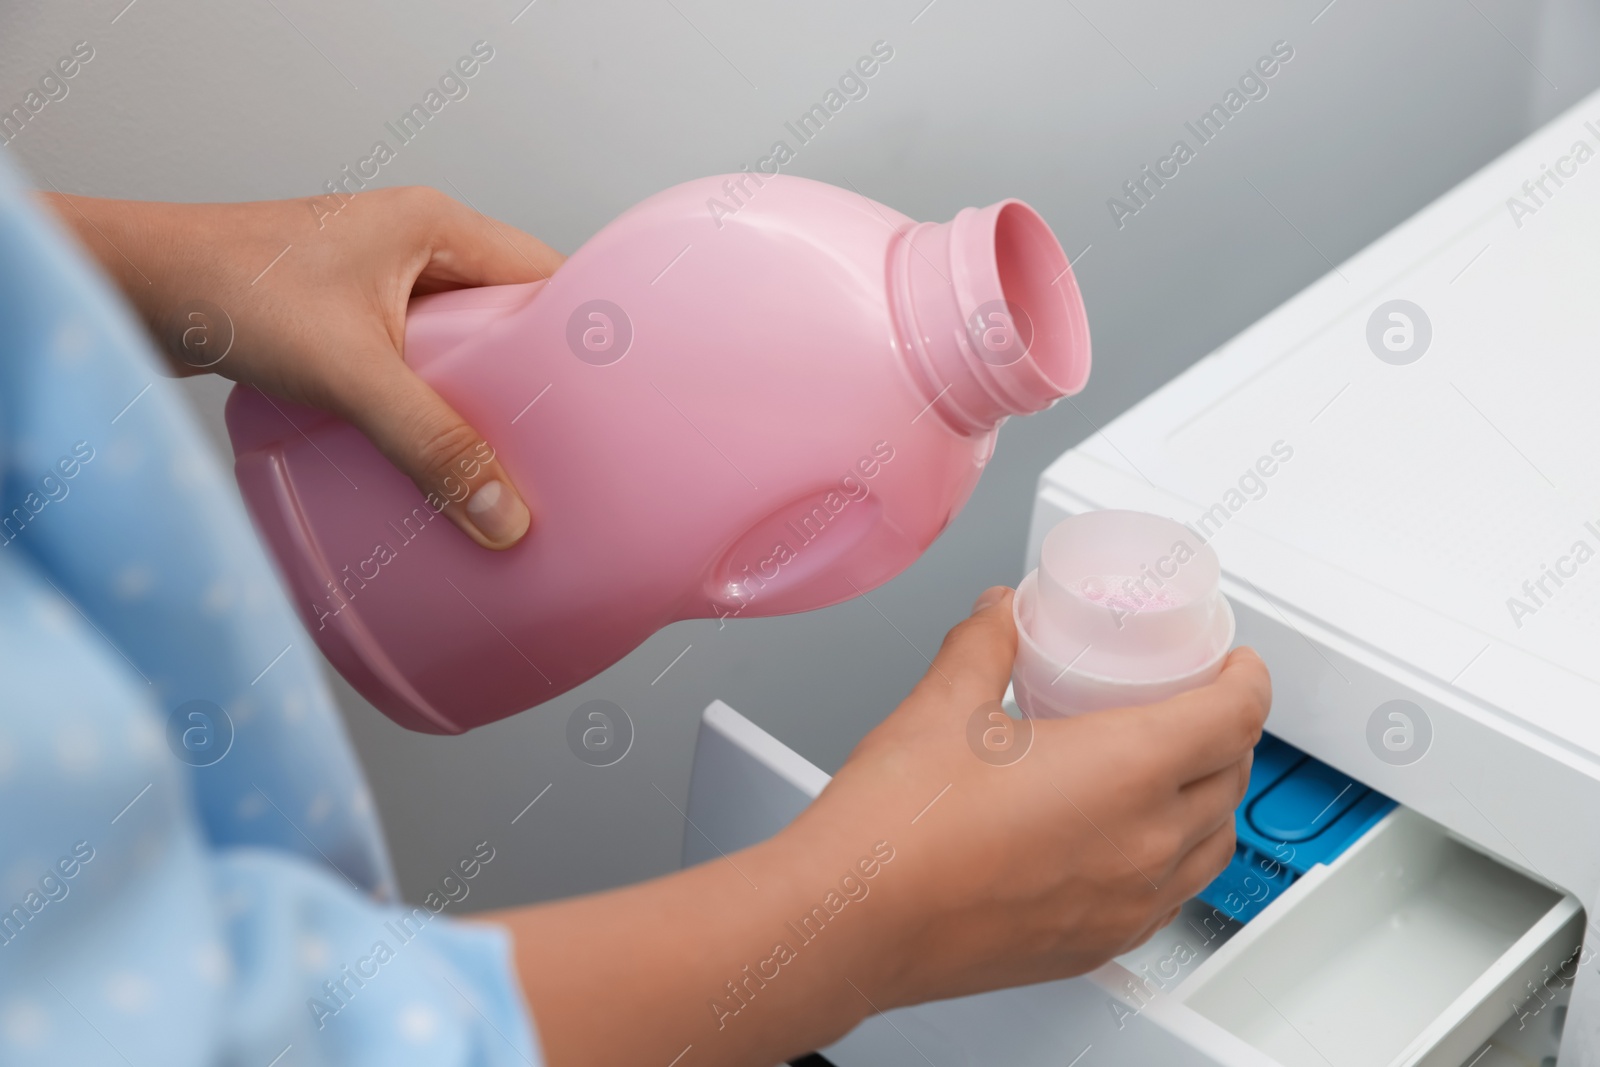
(713, 414)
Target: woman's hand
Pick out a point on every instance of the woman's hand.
(317, 302)
(1048, 866)
(922, 871)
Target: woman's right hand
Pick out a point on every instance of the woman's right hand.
(922, 871)
(1044, 867)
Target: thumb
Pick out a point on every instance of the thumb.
(469, 248)
(454, 466)
(974, 663)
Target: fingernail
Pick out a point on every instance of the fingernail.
(989, 597)
(498, 513)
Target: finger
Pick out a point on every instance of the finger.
(1242, 785)
(456, 469)
(973, 664)
(1202, 864)
(469, 248)
(1205, 805)
(1206, 729)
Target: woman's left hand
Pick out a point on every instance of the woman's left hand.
(316, 291)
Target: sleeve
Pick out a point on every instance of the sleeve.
(127, 937)
(190, 868)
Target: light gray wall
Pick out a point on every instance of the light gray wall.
(586, 108)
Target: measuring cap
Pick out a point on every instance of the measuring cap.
(1124, 609)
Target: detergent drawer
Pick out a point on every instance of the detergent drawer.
(1411, 948)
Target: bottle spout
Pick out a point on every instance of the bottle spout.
(991, 320)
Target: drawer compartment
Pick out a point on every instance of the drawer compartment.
(1410, 950)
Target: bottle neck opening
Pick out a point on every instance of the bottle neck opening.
(991, 320)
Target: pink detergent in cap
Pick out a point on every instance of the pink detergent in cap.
(1124, 609)
(747, 395)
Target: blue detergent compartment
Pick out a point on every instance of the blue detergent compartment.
(1296, 813)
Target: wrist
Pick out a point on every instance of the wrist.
(822, 933)
(730, 957)
(849, 911)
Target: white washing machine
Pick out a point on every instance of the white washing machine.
(1400, 470)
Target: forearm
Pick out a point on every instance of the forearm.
(728, 960)
(157, 255)
(121, 235)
